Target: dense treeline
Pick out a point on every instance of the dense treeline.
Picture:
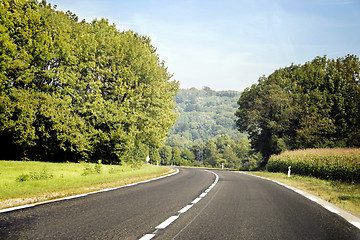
(314, 105)
(221, 151)
(73, 90)
(203, 114)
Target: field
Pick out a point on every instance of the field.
(25, 182)
(335, 164)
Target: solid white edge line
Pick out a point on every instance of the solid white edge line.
(356, 224)
(331, 209)
(299, 192)
(83, 195)
(167, 222)
(185, 209)
(16, 208)
(312, 199)
(147, 237)
(344, 214)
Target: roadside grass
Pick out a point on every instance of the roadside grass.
(26, 182)
(342, 194)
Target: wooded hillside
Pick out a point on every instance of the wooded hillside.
(72, 91)
(205, 133)
(203, 114)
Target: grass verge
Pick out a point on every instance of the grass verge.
(342, 194)
(30, 182)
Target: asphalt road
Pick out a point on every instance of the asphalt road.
(194, 204)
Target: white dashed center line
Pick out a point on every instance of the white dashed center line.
(171, 219)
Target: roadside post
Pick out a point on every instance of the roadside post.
(289, 171)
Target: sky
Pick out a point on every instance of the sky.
(230, 44)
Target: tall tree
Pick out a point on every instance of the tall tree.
(77, 90)
(311, 105)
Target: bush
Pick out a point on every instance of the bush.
(34, 176)
(92, 169)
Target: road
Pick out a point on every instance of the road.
(193, 204)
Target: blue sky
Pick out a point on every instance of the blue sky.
(229, 44)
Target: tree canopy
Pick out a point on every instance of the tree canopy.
(73, 90)
(203, 114)
(313, 105)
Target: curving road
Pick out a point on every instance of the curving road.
(194, 204)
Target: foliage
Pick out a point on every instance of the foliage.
(76, 91)
(33, 176)
(335, 164)
(205, 133)
(203, 114)
(314, 105)
(94, 168)
(215, 152)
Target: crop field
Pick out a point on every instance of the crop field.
(335, 164)
(25, 182)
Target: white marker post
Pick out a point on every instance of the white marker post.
(289, 172)
(147, 159)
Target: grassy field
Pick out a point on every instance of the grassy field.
(342, 194)
(25, 182)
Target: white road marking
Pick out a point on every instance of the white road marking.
(171, 219)
(167, 222)
(147, 237)
(15, 208)
(299, 192)
(347, 216)
(185, 209)
(331, 209)
(356, 224)
(83, 195)
(203, 194)
(76, 196)
(312, 199)
(196, 200)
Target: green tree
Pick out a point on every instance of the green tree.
(154, 156)
(188, 157)
(73, 90)
(166, 155)
(303, 106)
(176, 156)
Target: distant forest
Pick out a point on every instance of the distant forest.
(205, 133)
(203, 114)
